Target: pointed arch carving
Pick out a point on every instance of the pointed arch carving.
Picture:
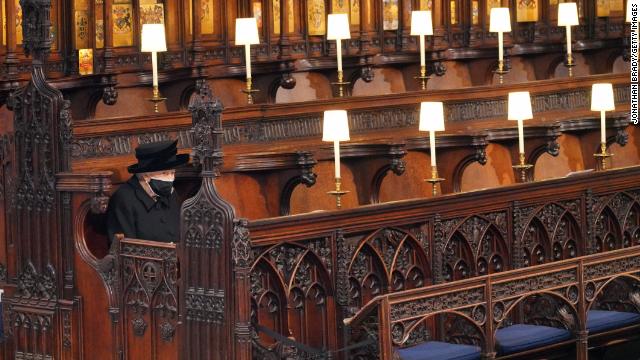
(388, 260)
(476, 245)
(608, 235)
(551, 232)
(292, 293)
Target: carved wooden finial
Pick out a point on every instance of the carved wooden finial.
(206, 129)
(36, 29)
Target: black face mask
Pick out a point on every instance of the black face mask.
(160, 187)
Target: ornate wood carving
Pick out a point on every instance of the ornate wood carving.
(149, 274)
(616, 221)
(215, 327)
(38, 216)
(475, 246)
(291, 288)
(388, 260)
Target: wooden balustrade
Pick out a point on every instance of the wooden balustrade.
(559, 294)
(336, 262)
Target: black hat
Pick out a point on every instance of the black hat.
(158, 156)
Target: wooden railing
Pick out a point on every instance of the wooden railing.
(335, 262)
(567, 288)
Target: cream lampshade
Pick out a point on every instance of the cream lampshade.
(338, 27)
(602, 97)
(335, 128)
(153, 38)
(520, 110)
(519, 106)
(247, 31)
(602, 100)
(431, 116)
(421, 23)
(431, 120)
(568, 14)
(499, 20)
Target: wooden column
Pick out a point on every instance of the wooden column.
(11, 59)
(108, 37)
(197, 51)
(285, 45)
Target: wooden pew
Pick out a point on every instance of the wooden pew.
(487, 305)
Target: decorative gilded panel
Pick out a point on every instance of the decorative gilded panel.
(390, 14)
(316, 17)
(527, 10)
(609, 8)
(207, 17)
(122, 15)
(275, 9)
(355, 12)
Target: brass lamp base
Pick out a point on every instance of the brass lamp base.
(602, 156)
(249, 91)
(338, 193)
(501, 71)
(423, 77)
(340, 84)
(156, 99)
(522, 168)
(569, 64)
(434, 180)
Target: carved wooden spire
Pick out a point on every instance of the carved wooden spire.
(214, 312)
(38, 214)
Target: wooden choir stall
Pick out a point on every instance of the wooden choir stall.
(316, 220)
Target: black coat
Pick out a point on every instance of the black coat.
(135, 214)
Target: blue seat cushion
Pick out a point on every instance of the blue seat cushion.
(436, 350)
(601, 320)
(521, 337)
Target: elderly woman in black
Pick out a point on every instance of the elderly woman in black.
(146, 206)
